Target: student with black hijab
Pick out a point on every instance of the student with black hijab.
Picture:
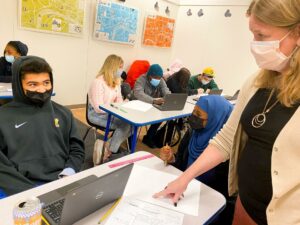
(12, 51)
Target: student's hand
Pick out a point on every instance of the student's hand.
(207, 91)
(200, 91)
(166, 154)
(158, 101)
(174, 190)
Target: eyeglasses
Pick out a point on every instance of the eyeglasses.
(208, 76)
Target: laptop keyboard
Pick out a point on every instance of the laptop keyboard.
(54, 210)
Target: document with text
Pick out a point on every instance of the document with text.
(136, 212)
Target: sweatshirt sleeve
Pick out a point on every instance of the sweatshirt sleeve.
(164, 88)
(11, 181)
(119, 97)
(213, 85)
(191, 88)
(139, 92)
(225, 137)
(76, 151)
(96, 95)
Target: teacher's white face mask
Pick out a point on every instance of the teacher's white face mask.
(268, 55)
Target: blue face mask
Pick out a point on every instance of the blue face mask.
(154, 82)
(9, 58)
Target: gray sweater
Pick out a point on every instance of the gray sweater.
(144, 91)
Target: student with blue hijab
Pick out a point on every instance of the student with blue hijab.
(210, 114)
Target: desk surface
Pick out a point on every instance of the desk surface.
(211, 201)
(5, 90)
(153, 115)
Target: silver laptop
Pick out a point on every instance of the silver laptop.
(75, 201)
(215, 92)
(234, 97)
(211, 92)
(172, 102)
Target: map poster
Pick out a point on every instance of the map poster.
(158, 31)
(56, 16)
(115, 23)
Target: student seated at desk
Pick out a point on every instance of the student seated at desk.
(38, 138)
(174, 67)
(106, 89)
(178, 82)
(151, 88)
(209, 115)
(12, 51)
(202, 83)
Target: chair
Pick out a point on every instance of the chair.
(92, 125)
(97, 127)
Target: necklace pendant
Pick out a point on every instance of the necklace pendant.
(258, 120)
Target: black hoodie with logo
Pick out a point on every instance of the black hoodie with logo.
(36, 142)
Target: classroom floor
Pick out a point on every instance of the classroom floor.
(79, 113)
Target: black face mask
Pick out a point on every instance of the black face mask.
(195, 122)
(38, 98)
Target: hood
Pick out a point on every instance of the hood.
(18, 93)
(19, 46)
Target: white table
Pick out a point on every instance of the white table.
(138, 118)
(211, 202)
(5, 91)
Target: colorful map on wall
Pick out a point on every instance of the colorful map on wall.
(58, 16)
(116, 23)
(158, 31)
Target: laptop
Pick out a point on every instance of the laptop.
(234, 97)
(172, 102)
(68, 204)
(211, 92)
(215, 92)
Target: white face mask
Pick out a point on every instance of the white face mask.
(9, 58)
(118, 73)
(268, 55)
(205, 82)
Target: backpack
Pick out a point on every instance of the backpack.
(137, 68)
(182, 154)
(173, 134)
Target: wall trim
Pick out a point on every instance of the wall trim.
(209, 2)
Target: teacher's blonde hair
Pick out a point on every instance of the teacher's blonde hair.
(284, 14)
(109, 69)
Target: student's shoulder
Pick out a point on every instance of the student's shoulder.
(61, 109)
(2, 61)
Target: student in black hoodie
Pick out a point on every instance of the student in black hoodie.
(38, 138)
(12, 51)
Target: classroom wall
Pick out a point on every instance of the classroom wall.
(75, 60)
(215, 40)
(210, 40)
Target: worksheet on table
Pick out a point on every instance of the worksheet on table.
(136, 212)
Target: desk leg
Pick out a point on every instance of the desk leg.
(107, 127)
(133, 139)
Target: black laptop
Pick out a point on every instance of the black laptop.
(68, 204)
(172, 102)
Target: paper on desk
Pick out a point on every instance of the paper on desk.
(144, 182)
(137, 105)
(136, 212)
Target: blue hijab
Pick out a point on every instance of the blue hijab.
(218, 110)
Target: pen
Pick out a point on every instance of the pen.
(109, 211)
(116, 107)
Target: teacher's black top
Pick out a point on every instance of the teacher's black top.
(254, 166)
